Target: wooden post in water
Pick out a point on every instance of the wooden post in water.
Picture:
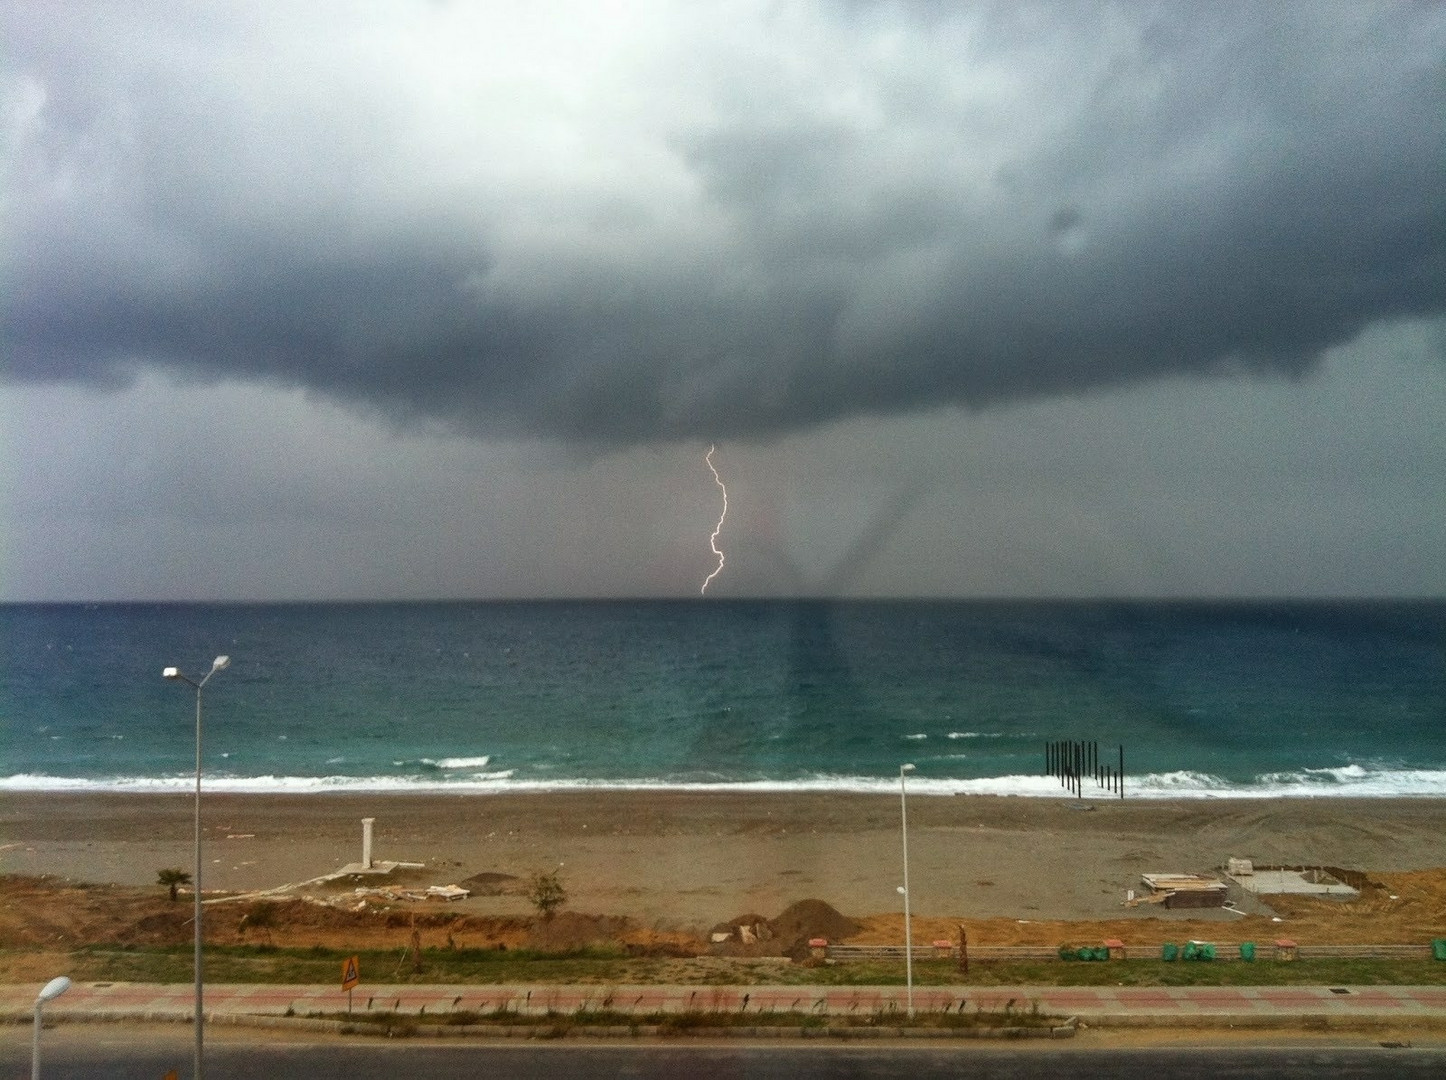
(1122, 770)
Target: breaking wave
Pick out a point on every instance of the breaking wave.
(1354, 781)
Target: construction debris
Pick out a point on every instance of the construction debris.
(1182, 891)
(431, 892)
(446, 892)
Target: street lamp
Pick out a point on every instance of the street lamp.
(49, 992)
(904, 770)
(218, 664)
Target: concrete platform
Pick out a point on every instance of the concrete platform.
(1299, 882)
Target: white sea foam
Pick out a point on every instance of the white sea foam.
(253, 785)
(446, 762)
(1349, 780)
(974, 734)
(1344, 773)
(917, 737)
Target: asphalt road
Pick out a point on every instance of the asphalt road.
(125, 1058)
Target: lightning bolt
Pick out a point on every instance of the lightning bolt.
(713, 540)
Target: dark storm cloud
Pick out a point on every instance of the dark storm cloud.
(730, 224)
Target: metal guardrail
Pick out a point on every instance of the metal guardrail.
(928, 952)
(1264, 949)
(1364, 951)
(883, 952)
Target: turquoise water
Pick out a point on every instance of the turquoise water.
(1207, 699)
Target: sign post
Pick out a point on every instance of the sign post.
(350, 976)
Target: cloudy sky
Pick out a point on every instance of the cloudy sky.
(430, 299)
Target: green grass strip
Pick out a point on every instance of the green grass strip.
(265, 964)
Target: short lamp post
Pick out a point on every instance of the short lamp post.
(219, 664)
(49, 992)
(904, 771)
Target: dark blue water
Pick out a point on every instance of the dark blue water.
(1239, 698)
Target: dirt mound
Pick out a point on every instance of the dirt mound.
(787, 935)
(810, 919)
(169, 927)
(493, 884)
(47, 912)
(572, 930)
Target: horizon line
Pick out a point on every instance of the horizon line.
(985, 598)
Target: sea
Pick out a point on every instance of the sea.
(1203, 699)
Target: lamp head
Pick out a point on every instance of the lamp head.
(900, 890)
(53, 989)
(220, 663)
(171, 673)
(906, 768)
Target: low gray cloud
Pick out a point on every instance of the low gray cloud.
(686, 220)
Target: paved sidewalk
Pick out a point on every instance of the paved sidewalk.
(1096, 1005)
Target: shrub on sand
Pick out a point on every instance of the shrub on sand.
(173, 877)
(545, 890)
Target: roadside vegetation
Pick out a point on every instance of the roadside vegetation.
(1006, 1020)
(262, 963)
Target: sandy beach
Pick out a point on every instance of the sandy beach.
(688, 860)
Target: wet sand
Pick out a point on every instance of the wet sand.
(687, 860)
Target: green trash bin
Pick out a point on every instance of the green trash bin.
(1066, 953)
(1169, 951)
(1247, 950)
(1190, 952)
(1438, 948)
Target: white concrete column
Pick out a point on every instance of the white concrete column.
(367, 841)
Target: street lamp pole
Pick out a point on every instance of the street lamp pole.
(904, 770)
(49, 992)
(219, 664)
